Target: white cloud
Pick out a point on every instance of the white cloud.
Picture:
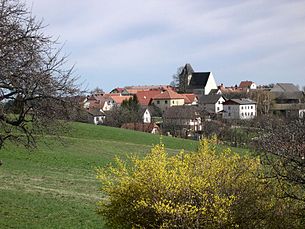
(136, 34)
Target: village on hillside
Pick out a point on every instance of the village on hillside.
(195, 101)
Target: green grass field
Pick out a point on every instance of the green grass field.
(54, 186)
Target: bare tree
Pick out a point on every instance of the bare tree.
(97, 90)
(176, 77)
(263, 99)
(34, 82)
(283, 144)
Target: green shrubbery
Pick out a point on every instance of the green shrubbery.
(204, 189)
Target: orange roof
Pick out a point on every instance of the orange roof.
(120, 98)
(169, 94)
(189, 98)
(244, 84)
(144, 97)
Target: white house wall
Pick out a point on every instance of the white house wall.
(146, 117)
(108, 105)
(164, 104)
(219, 105)
(211, 84)
(239, 111)
(253, 86)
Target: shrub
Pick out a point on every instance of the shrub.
(205, 189)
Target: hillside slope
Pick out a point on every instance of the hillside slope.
(54, 186)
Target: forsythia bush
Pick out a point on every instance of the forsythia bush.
(205, 189)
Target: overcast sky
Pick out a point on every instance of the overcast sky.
(142, 42)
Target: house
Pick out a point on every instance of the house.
(118, 98)
(287, 100)
(145, 97)
(212, 103)
(144, 127)
(145, 115)
(92, 101)
(247, 85)
(200, 83)
(105, 102)
(182, 120)
(239, 109)
(166, 99)
(97, 116)
(190, 99)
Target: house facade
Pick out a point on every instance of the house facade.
(239, 109)
(146, 115)
(213, 103)
(96, 116)
(247, 85)
(182, 120)
(168, 99)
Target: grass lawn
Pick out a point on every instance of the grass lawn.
(54, 186)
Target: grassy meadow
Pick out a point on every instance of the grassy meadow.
(54, 186)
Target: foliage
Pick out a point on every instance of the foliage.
(33, 80)
(128, 112)
(195, 190)
(132, 104)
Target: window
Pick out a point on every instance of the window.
(218, 108)
(251, 107)
(173, 102)
(251, 113)
(242, 114)
(165, 101)
(229, 108)
(158, 101)
(229, 114)
(242, 107)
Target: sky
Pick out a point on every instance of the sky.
(120, 43)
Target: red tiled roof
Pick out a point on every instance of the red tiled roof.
(189, 98)
(244, 84)
(144, 97)
(169, 94)
(119, 98)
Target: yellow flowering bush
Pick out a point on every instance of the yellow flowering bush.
(204, 189)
